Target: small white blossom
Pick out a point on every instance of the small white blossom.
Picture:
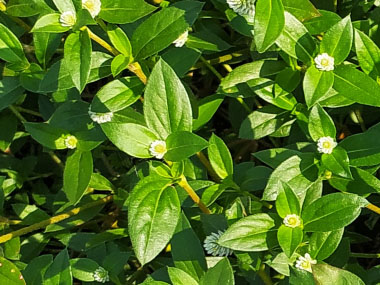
(243, 7)
(101, 275)
(292, 221)
(326, 145)
(101, 118)
(212, 247)
(324, 62)
(182, 39)
(68, 19)
(71, 142)
(158, 149)
(304, 263)
(93, 6)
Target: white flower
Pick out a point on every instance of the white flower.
(324, 62)
(101, 275)
(158, 149)
(292, 221)
(212, 247)
(182, 39)
(326, 145)
(93, 6)
(243, 7)
(101, 117)
(304, 263)
(71, 142)
(68, 19)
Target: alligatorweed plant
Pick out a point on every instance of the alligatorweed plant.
(212, 142)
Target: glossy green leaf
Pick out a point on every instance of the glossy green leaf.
(179, 277)
(169, 110)
(49, 24)
(322, 23)
(9, 273)
(23, 8)
(10, 91)
(206, 109)
(332, 212)
(119, 40)
(59, 272)
(287, 202)
(368, 54)
(47, 135)
(77, 175)
(119, 63)
(8, 127)
(35, 270)
(221, 273)
(64, 5)
(83, 269)
(181, 145)
(337, 162)
(337, 41)
(46, 44)
(316, 85)
(253, 233)
(220, 157)
(78, 50)
(324, 273)
(302, 9)
(269, 23)
(153, 214)
(289, 239)
(320, 124)
(323, 244)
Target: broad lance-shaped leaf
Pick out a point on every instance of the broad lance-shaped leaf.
(327, 274)
(295, 39)
(122, 12)
(120, 40)
(368, 54)
(180, 277)
(316, 84)
(48, 136)
(167, 106)
(77, 175)
(287, 202)
(269, 23)
(253, 233)
(49, 24)
(337, 41)
(10, 91)
(302, 9)
(332, 212)
(9, 273)
(323, 244)
(78, 50)
(337, 162)
(221, 273)
(289, 239)
(220, 157)
(320, 124)
(59, 272)
(356, 85)
(153, 214)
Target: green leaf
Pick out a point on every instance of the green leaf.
(77, 175)
(332, 212)
(169, 110)
(269, 23)
(220, 157)
(153, 214)
(117, 95)
(10, 91)
(23, 8)
(122, 12)
(168, 24)
(207, 107)
(46, 45)
(337, 41)
(327, 274)
(78, 50)
(189, 258)
(368, 54)
(100, 66)
(8, 128)
(83, 269)
(363, 149)
(119, 63)
(59, 272)
(119, 40)
(302, 9)
(295, 40)
(322, 23)
(35, 270)
(99, 182)
(48, 136)
(181, 145)
(320, 124)
(357, 86)
(323, 244)
(289, 239)
(316, 85)
(287, 202)
(49, 24)
(64, 5)
(11, 49)
(221, 273)
(337, 162)
(253, 233)
(135, 141)
(180, 277)
(9, 273)
(263, 122)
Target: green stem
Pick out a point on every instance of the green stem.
(264, 276)
(27, 111)
(365, 255)
(17, 114)
(211, 68)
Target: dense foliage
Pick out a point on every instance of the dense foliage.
(211, 142)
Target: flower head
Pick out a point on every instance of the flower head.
(212, 247)
(324, 62)
(158, 149)
(101, 275)
(243, 7)
(304, 263)
(68, 19)
(326, 145)
(71, 142)
(101, 118)
(93, 6)
(292, 221)
(182, 39)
